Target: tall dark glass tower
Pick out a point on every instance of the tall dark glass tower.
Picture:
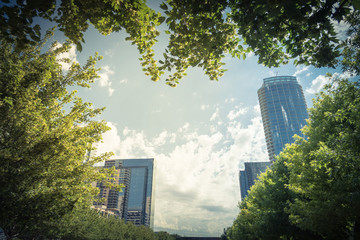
(283, 111)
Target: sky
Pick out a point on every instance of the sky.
(199, 133)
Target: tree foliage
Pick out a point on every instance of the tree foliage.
(351, 45)
(45, 132)
(201, 33)
(325, 172)
(73, 19)
(86, 223)
(165, 236)
(263, 213)
(313, 188)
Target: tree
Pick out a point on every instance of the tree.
(73, 18)
(200, 32)
(164, 236)
(351, 45)
(45, 132)
(312, 190)
(86, 223)
(263, 212)
(325, 169)
(276, 31)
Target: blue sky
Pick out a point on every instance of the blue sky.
(200, 133)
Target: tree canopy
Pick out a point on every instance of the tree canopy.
(86, 223)
(200, 32)
(325, 170)
(312, 190)
(263, 213)
(45, 132)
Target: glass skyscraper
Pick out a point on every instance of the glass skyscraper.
(283, 111)
(136, 202)
(248, 176)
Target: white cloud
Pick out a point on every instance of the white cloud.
(161, 139)
(272, 73)
(109, 52)
(301, 70)
(257, 109)
(346, 75)
(203, 107)
(237, 112)
(340, 29)
(317, 84)
(156, 111)
(230, 100)
(250, 54)
(197, 186)
(111, 140)
(104, 80)
(70, 55)
(123, 81)
(215, 114)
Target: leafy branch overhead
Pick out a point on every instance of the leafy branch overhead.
(200, 33)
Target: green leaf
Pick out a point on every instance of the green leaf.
(356, 4)
(163, 6)
(78, 46)
(9, 101)
(161, 20)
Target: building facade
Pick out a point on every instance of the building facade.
(248, 176)
(283, 112)
(136, 202)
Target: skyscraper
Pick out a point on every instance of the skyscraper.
(248, 176)
(283, 111)
(136, 202)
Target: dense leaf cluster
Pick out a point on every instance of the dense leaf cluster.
(45, 132)
(86, 223)
(200, 33)
(312, 190)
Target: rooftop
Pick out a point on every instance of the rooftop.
(279, 79)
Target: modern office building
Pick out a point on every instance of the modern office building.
(283, 111)
(136, 202)
(248, 176)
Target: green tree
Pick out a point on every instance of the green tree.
(73, 19)
(351, 45)
(312, 190)
(164, 236)
(86, 223)
(200, 32)
(263, 212)
(45, 132)
(325, 167)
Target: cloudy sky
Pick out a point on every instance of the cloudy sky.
(200, 133)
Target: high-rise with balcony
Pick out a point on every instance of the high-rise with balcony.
(283, 111)
(136, 202)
